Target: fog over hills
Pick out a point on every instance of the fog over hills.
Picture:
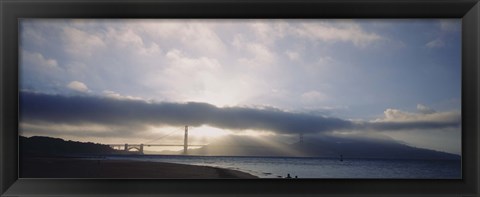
(325, 146)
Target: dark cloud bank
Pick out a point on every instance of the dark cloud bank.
(101, 110)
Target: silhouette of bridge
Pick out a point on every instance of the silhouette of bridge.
(138, 148)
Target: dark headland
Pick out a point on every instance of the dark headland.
(44, 157)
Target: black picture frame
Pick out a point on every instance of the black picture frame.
(12, 10)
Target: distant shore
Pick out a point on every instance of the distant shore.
(56, 167)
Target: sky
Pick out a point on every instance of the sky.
(135, 81)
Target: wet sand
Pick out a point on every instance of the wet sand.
(43, 167)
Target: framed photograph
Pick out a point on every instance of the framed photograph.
(321, 98)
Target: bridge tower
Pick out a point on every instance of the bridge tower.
(185, 141)
(300, 138)
(141, 149)
(126, 148)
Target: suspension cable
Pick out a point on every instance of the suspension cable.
(163, 136)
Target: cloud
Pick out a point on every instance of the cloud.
(395, 119)
(435, 44)
(80, 43)
(186, 78)
(292, 55)
(195, 35)
(115, 95)
(35, 58)
(78, 86)
(269, 32)
(424, 109)
(49, 128)
(255, 53)
(177, 59)
(313, 97)
(226, 62)
(97, 110)
(344, 31)
(450, 25)
(90, 110)
(128, 38)
(395, 115)
(32, 35)
(447, 28)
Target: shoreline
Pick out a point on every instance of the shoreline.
(57, 167)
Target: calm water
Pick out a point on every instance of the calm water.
(274, 167)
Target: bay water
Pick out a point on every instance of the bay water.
(325, 168)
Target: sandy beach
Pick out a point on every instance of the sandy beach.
(50, 167)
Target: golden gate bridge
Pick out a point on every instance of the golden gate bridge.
(138, 148)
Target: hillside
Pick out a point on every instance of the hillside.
(39, 145)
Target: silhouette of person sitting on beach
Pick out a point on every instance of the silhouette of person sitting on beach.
(288, 176)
